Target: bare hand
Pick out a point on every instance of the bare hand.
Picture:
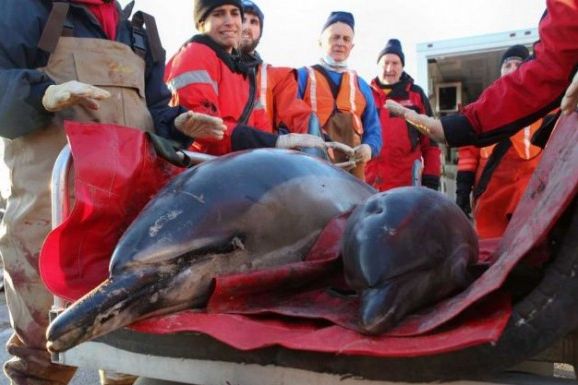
(60, 96)
(200, 126)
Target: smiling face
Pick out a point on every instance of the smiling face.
(337, 41)
(391, 68)
(223, 24)
(251, 32)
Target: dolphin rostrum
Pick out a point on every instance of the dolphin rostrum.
(240, 212)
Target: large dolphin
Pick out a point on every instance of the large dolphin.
(236, 213)
(403, 249)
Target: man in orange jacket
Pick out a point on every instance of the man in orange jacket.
(498, 174)
(276, 86)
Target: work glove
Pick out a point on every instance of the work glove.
(200, 126)
(60, 96)
(570, 99)
(362, 153)
(427, 125)
(299, 140)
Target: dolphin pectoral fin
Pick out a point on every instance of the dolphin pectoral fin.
(378, 310)
(114, 304)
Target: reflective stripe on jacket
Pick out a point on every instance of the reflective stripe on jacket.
(201, 81)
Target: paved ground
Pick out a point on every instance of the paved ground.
(82, 377)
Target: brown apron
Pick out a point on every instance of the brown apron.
(340, 127)
(106, 64)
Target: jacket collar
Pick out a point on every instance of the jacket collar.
(399, 90)
(233, 60)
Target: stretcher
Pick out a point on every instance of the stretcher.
(543, 234)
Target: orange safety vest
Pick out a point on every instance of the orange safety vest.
(349, 99)
(521, 142)
(502, 192)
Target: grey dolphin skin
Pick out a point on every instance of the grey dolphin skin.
(403, 249)
(236, 213)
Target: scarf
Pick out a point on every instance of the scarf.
(105, 12)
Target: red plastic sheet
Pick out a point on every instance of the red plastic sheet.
(247, 333)
(116, 172)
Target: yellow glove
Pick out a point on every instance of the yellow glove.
(60, 96)
(570, 99)
(362, 153)
(427, 125)
(200, 126)
(289, 141)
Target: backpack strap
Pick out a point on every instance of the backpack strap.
(143, 23)
(56, 26)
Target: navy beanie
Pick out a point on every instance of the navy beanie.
(251, 7)
(393, 46)
(339, 17)
(204, 7)
(515, 52)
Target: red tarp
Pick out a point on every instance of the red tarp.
(115, 175)
(456, 323)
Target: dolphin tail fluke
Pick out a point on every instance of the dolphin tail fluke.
(113, 304)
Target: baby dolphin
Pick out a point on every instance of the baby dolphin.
(403, 249)
(240, 212)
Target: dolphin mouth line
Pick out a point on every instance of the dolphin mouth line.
(132, 298)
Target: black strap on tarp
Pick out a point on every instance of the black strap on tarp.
(55, 27)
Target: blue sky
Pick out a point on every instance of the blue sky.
(291, 29)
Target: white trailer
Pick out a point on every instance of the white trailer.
(455, 72)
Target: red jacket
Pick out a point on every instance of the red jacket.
(402, 144)
(529, 93)
(203, 78)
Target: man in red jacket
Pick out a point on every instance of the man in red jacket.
(209, 77)
(539, 82)
(405, 150)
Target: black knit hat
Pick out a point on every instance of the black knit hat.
(204, 7)
(339, 17)
(393, 46)
(517, 51)
(251, 7)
